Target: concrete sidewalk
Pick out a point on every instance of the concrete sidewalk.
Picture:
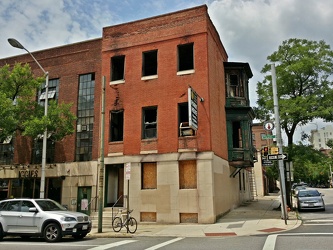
(261, 216)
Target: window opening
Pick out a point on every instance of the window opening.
(235, 84)
(149, 63)
(185, 57)
(52, 92)
(149, 122)
(6, 151)
(117, 125)
(183, 122)
(237, 135)
(85, 117)
(117, 68)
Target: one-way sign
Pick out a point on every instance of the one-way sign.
(277, 157)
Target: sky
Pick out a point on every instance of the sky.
(250, 30)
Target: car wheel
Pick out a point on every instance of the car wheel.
(1, 232)
(79, 236)
(52, 233)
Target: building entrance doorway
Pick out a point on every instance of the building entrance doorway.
(114, 185)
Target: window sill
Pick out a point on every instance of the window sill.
(185, 72)
(145, 78)
(117, 82)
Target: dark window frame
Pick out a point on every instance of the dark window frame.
(185, 56)
(237, 134)
(116, 125)
(118, 68)
(149, 63)
(149, 122)
(85, 117)
(183, 120)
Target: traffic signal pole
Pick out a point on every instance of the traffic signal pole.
(279, 145)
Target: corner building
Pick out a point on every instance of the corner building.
(171, 158)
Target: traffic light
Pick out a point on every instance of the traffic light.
(265, 151)
(274, 150)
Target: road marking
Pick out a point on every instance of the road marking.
(318, 224)
(115, 244)
(271, 239)
(270, 242)
(164, 244)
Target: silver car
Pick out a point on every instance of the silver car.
(41, 217)
(310, 199)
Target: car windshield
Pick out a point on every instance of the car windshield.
(49, 205)
(308, 193)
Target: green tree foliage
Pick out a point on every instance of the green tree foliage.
(329, 143)
(304, 91)
(310, 165)
(20, 111)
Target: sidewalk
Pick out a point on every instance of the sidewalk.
(252, 218)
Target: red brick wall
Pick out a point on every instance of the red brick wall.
(164, 33)
(66, 63)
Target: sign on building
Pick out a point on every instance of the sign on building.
(128, 171)
(193, 108)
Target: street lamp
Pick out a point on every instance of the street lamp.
(13, 42)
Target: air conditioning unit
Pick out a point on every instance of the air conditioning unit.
(185, 129)
(78, 128)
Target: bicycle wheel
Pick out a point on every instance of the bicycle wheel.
(132, 225)
(117, 224)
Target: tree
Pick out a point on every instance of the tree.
(20, 111)
(304, 91)
(310, 165)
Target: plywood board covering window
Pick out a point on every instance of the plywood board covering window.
(149, 175)
(188, 174)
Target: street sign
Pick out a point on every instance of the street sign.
(265, 162)
(269, 125)
(267, 137)
(128, 170)
(277, 157)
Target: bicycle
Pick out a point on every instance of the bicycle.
(130, 223)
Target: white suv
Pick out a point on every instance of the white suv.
(41, 217)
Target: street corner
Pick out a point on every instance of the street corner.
(109, 235)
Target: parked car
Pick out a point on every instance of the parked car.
(297, 186)
(41, 217)
(310, 199)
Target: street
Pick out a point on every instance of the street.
(315, 233)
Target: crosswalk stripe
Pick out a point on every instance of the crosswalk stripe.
(164, 244)
(318, 224)
(115, 244)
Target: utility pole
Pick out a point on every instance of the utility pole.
(279, 145)
(101, 163)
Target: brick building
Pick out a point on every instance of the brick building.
(178, 140)
(261, 138)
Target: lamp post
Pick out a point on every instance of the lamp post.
(13, 42)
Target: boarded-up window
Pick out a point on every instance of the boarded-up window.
(188, 174)
(149, 175)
